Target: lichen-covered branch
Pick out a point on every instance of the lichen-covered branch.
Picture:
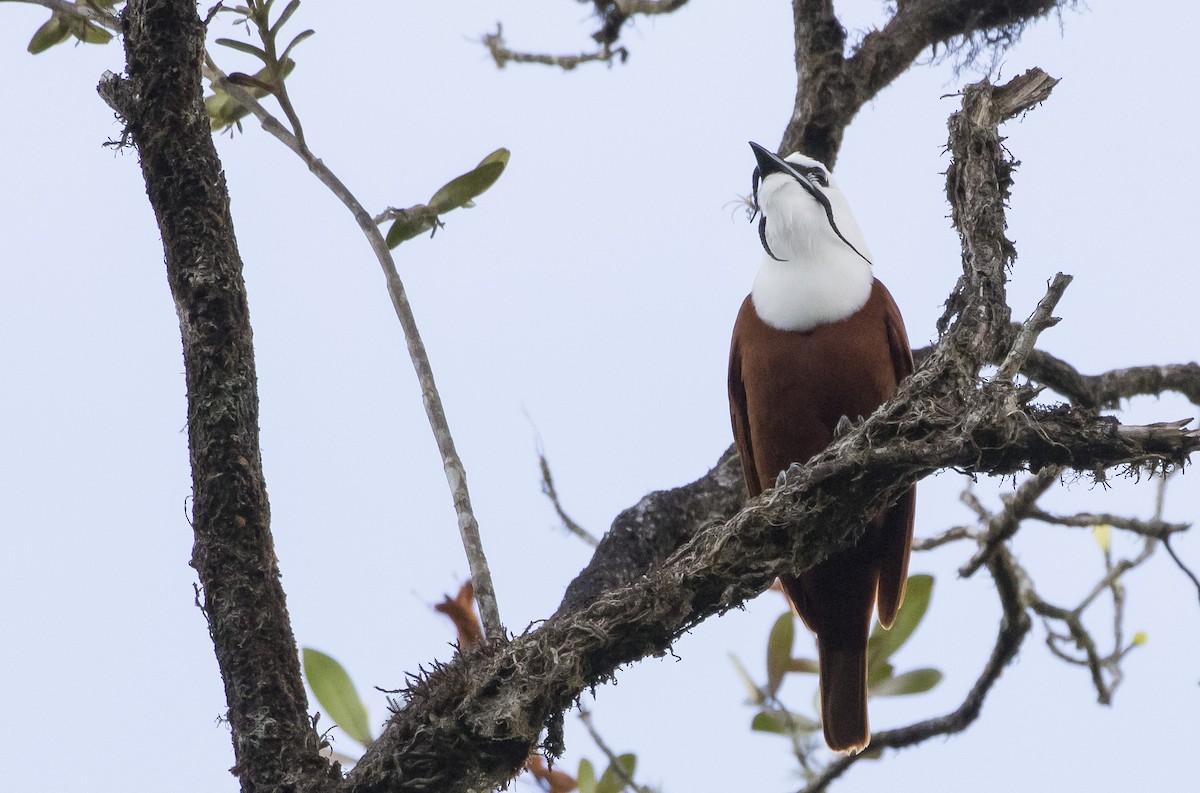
(832, 87)
(487, 708)
(274, 742)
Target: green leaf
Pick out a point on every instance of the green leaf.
(613, 781)
(462, 189)
(585, 780)
(89, 33)
(334, 690)
(409, 224)
(806, 665)
(500, 155)
(917, 681)
(299, 38)
(767, 722)
(872, 753)
(883, 643)
(877, 673)
(284, 17)
(782, 722)
(244, 46)
(756, 694)
(225, 111)
(779, 651)
(55, 31)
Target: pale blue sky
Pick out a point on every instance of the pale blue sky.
(590, 294)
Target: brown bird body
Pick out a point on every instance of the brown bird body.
(788, 389)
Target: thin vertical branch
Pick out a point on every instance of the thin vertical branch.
(456, 475)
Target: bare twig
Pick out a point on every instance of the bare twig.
(503, 55)
(1159, 506)
(648, 7)
(614, 762)
(456, 475)
(1155, 528)
(1179, 563)
(1032, 328)
(551, 493)
(948, 536)
(1004, 524)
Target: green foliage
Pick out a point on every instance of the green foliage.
(882, 680)
(461, 191)
(55, 31)
(61, 27)
(612, 780)
(782, 722)
(585, 779)
(779, 651)
(225, 111)
(336, 694)
(884, 643)
(918, 681)
(756, 695)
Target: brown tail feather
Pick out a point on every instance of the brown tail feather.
(836, 600)
(844, 695)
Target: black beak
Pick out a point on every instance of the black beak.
(769, 163)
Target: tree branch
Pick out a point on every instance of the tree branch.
(274, 742)
(1014, 627)
(487, 707)
(502, 55)
(831, 88)
(456, 475)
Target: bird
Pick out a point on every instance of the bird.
(818, 340)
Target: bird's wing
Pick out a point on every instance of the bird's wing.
(737, 413)
(897, 531)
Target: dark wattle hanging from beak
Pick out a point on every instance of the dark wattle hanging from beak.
(769, 163)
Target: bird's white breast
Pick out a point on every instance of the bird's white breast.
(793, 295)
(821, 279)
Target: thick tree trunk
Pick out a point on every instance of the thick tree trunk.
(274, 742)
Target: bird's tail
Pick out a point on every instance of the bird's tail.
(843, 661)
(842, 625)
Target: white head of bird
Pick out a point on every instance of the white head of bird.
(816, 267)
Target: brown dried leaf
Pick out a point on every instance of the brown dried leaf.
(461, 611)
(550, 778)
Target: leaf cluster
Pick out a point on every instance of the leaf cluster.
(62, 26)
(225, 111)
